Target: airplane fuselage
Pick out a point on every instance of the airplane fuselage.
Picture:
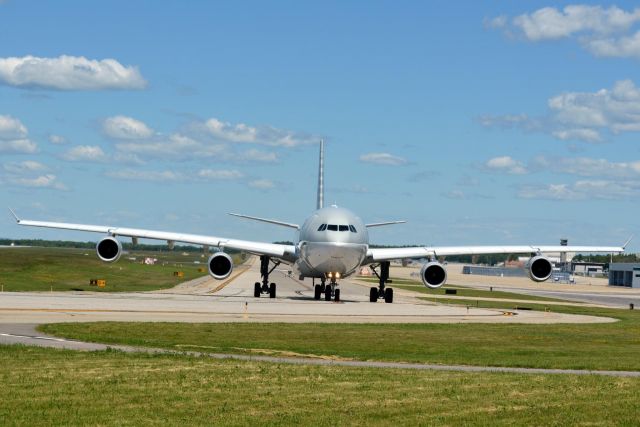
(332, 240)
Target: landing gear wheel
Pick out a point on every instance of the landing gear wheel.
(373, 295)
(257, 290)
(327, 293)
(388, 295)
(336, 296)
(272, 290)
(317, 291)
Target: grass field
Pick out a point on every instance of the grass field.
(462, 291)
(63, 269)
(54, 387)
(605, 346)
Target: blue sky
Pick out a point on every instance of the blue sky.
(500, 123)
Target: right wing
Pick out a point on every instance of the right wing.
(386, 254)
(284, 252)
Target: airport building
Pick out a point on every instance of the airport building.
(624, 274)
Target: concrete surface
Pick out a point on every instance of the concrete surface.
(206, 300)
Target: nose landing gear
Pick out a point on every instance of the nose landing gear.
(329, 290)
(381, 291)
(265, 287)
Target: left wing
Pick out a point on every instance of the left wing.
(386, 254)
(284, 252)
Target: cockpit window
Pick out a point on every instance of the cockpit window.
(332, 227)
(343, 228)
(353, 229)
(322, 227)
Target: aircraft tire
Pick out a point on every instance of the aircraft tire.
(272, 290)
(336, 295)
(257, 290)
(327, 293)
(388, 295)
(317, 291)
(373, 295)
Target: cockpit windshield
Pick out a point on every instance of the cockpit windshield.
(337, 227)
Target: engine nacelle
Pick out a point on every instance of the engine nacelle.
(433, 275)
(109, 249)
(220, 265)
(540, 268)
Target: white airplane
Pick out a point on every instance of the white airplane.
(331, 244)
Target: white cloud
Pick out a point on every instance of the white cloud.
(174, 147)
(138, 175)
(383, 159)
(257, 156)
(12, 128)
(13, 137)
(550, 23)
(69, 73)
(30, 174)
(220, 174)
(454, 195)
(582, 116)
(24, 167)
(265, 135)
(42, 181)
(506, 164)
(261, 184)
(582, 190)
(127, 128)
(89, 153)
(57, 139)
(604, 32)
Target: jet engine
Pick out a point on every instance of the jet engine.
(109, 249)
(220, 265)
(433, 275)
(540, 268)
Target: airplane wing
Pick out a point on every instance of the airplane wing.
(386, 254)
(284, 252)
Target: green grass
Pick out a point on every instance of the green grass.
(605, 346)
(63, 269)
(462, 291)
(54, 387)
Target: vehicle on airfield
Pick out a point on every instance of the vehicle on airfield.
(331, 244)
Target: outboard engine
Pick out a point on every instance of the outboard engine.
(433, 275)
(540, 268)
(220, 265)
(109, 249)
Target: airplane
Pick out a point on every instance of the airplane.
(331, 244)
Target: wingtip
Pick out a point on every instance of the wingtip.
(14, 215)
(627, 242)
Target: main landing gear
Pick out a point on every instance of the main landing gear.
(381, 292)
(265, 287)
(330, 290)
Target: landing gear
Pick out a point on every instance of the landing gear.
(265, 287)
(320, 289)
(331, 290)
(381, 291)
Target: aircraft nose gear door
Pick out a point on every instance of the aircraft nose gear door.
(381, 291)
(265, 287)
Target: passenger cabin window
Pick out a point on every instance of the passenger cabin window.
(352, 228)
(322, 227)
(344, 228)
(332, 227)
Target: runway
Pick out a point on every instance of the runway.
(208, 300)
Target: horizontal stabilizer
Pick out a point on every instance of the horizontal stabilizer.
(379, 224)
(270, 221)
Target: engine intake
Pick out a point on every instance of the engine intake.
(220, 265)
(540, 268)
(109, 249)
(433, 275)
